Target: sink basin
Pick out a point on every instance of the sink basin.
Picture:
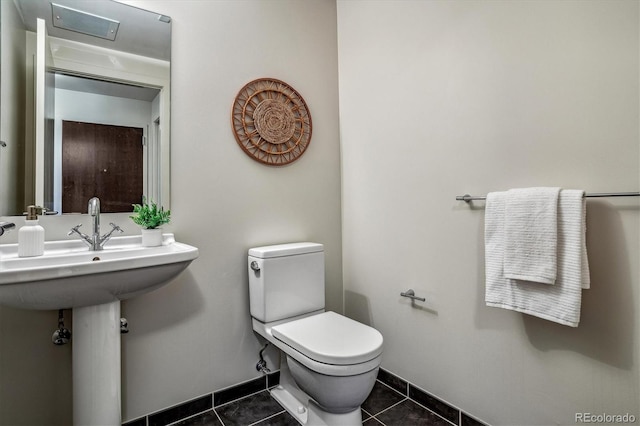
(68, 275)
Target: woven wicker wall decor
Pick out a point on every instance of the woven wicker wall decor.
(271, 122)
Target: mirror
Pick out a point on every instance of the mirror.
(73, 74)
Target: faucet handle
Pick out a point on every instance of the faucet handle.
(116, 227)
(105, 237)
(75, 230)
(6, 226)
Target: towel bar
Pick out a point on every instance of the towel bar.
(467, 197)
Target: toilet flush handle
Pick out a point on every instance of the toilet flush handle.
(254, 265)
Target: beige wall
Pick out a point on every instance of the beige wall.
(443, 98)
(194, 336)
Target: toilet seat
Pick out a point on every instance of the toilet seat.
(329, 339)
(266, 331)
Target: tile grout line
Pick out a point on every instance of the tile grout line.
(268, 417)
(413, 400)
(218, 416)
(455, 407)
(148, 416)
(186, 418)
(431, 411)
(405, 397)
(395, 390)
(242, 397)
(388, 408)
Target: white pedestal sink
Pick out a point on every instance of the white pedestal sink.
(92, 283)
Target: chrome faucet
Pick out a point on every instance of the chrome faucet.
(94, 211)
(6, 226)
(95, 241)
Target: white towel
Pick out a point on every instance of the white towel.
(572, 241)
(560, 302)
(531, 234)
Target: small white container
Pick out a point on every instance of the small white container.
(151, 237)
(31, 235)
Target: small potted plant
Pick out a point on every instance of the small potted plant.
(150, 217)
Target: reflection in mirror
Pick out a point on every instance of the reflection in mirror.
(103, 132)
(106, 130)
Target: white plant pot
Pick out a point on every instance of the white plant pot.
(151, 237)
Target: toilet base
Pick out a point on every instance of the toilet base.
(309, 414)
(303, 408)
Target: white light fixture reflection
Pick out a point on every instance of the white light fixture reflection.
(83, 22)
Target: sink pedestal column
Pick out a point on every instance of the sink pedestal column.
(96, 365)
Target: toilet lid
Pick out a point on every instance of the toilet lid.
(331, 338)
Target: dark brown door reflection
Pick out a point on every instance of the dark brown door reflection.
(101, 161)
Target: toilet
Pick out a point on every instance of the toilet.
(328, 363)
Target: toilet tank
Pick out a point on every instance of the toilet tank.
(286, 280)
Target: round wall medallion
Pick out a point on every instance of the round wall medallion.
(271, 122)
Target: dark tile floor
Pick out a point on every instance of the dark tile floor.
(384, 406)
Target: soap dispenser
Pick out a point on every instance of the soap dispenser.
(31, 235)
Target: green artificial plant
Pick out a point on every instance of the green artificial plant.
(150, 216)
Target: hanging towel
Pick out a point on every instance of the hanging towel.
(572, 242)
(585, 275)
(560, 302)
(531, 234)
